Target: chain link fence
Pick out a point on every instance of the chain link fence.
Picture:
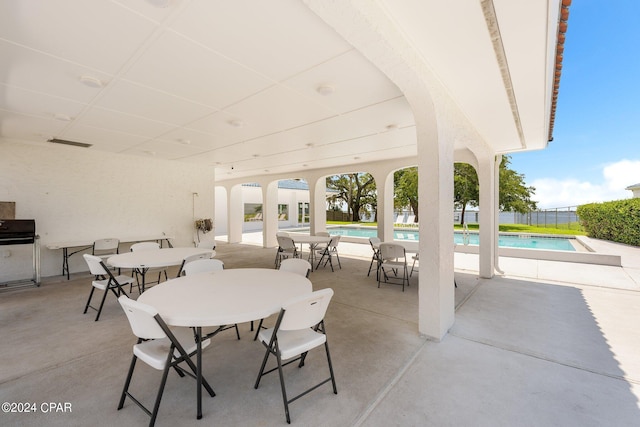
(562, 217)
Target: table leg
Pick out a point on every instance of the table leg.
(199, 371)
(65, 262)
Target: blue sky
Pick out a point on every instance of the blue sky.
(595, 152)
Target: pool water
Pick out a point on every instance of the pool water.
(525, 241)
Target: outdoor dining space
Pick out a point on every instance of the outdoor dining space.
(385, 372)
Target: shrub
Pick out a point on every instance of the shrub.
(617, 221)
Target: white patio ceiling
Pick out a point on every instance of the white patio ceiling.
(236, 83)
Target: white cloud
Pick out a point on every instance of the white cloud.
(555, 193)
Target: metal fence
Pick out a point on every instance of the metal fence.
(563, 217)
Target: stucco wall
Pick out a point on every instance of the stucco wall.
(286, 196)
(76, 194)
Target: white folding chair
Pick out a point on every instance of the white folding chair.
(329, 252)
(204, 266)
(294, 265)
(161, 348)
(393, 258)
(416, 257)
(109, 282)
(104, 248)
(148, 246)
(286, 249)
(204, 255)
(299, 329)
(207, 244)
(374, 241)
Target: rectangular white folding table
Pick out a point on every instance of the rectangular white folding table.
(83, 245)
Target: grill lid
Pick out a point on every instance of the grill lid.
(17, 231)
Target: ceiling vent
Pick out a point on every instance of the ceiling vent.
(73, 143)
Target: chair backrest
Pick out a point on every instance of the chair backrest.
(305, 311)
(286, 243)
(296, 265)
(141, 319)
(282, 233)
(190, 258)
(333, 243)
(207, 244)
(106, 245)
(323, 233)
(374, 241)
(145, 246)
(391, 251)
(202, 266)
(96, 266)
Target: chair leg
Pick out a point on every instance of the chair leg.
(89, 300)
(258, 329)
(127, 382)
(333, 378)
(284, 389)
(237, 331)
(261, 372)
(104, 297)
(165, 374)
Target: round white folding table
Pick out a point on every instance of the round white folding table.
(313, 242)
(165, 257)
(221, 298)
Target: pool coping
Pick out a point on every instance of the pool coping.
(590, 257)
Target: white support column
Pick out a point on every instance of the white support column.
(269, 214)
(384, 184)
(435, 190)
(318, 204)
(235, 213)
(488, 218)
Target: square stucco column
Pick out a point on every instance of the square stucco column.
(435, 190)
(235, 214)
(488, 169)
(318, 208)
(384, 184)
(270, 214)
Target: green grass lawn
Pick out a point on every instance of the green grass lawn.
(572, 229)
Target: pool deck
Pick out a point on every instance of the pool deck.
(545, 343)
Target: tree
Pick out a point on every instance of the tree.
(357, 190)
(405, 188)
(514, 195)
(466, 190)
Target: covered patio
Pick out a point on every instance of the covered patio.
(525, 350)
(190, 95)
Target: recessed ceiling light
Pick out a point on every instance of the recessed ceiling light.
(62, 117)
(255, 156)
(305, 165)
(392, 126)
(325, 89)
(150, 153)
(266, 170)
(217, 163)
(91, 81)
(310, 144)
(184, 141)
(159, 3)
(356, 158)
(236, 123)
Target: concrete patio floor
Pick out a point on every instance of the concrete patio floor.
(545, 344)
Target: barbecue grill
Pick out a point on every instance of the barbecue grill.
(22, 232)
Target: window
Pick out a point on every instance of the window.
(252, 212)
(283, 212)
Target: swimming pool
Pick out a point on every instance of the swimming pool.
(505, 240)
